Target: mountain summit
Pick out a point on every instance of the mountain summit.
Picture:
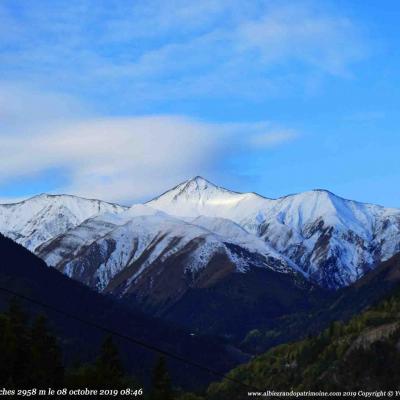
(198, 196)
(195, 189)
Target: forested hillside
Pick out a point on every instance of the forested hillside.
(361, 354)
(375, 286)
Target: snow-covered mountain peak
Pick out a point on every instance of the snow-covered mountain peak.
(308, 207)
(198, 183)
(33, 221)
(196, 188)
(198, 196)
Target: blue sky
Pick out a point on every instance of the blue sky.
(121, 100)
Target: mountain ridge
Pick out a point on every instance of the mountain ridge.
(330, 240)
(201, 178)
(290, 223)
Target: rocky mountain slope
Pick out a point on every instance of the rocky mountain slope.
(333, 241)
(155, 256)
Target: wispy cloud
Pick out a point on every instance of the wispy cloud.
(295, 32)
(179, 49)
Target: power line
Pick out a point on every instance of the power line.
(130, 339)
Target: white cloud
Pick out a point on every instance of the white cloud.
(113, 158)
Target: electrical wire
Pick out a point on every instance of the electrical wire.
(130, 339)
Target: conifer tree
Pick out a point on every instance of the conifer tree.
(46, 358)
(106, 372)
(108, 365)
(161, 385)
(16, 343)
